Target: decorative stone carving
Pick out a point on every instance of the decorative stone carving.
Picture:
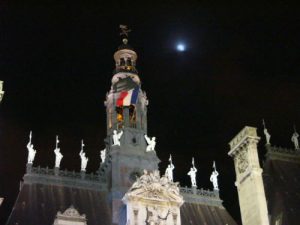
(151, 143)
(116, 137)
(70, 217)
(156, 198)
(242, 161)
(31, 150)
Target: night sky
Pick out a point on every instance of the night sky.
(56, 61)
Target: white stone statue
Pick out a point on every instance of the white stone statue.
(151, 143)
(295, 140)
(31, 150)
(84, 159)
(169, 170)
(58, 157)
(214, 177)
(103, 155)
(192, 174)
(267, 135)
(116, 137)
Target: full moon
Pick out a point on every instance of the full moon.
(180, 47)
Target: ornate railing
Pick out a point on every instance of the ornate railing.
(64, 173)
(199, 192)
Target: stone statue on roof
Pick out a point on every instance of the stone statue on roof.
(192, 174)
(31, 150)
(116, 137)
(294, 139)
(58, 155)
(267, 135)
(103, 155)
(84, 159)
(214, 177)
(151, 143)
(169, 170)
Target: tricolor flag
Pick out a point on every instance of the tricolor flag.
(127, 98)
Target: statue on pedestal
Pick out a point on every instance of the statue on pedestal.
(58, 155)
(267, 135)
(84, 159)
(31, 150)
(214, 177)
(169, 170)
(151, 143)
(294, 139)
(192, 174)
(116, 137)
(103, 155)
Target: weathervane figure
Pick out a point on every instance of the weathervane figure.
(267, 135)
(294, 139)
(214, 177)
(169, 170)
(192, 174)
(124, 30)
(58, 155)
(31, 150)
(84, 159)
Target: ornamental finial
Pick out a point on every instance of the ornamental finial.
(124, 32)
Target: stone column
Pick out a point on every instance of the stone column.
(253, 205)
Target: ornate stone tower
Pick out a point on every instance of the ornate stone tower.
(243, 149)
(126, 108)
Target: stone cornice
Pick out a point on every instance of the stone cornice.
(201, 196)
(245, 136)
(282, 154)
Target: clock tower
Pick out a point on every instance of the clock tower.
(249, 183)
(126, 142)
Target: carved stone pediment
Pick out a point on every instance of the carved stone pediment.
(152, 187)
(70, 216)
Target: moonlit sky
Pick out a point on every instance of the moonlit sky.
(56, 60)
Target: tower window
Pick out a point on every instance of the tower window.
(122, 62)
(132, 115)
(120, 117)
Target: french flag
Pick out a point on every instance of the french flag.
(127, 98)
